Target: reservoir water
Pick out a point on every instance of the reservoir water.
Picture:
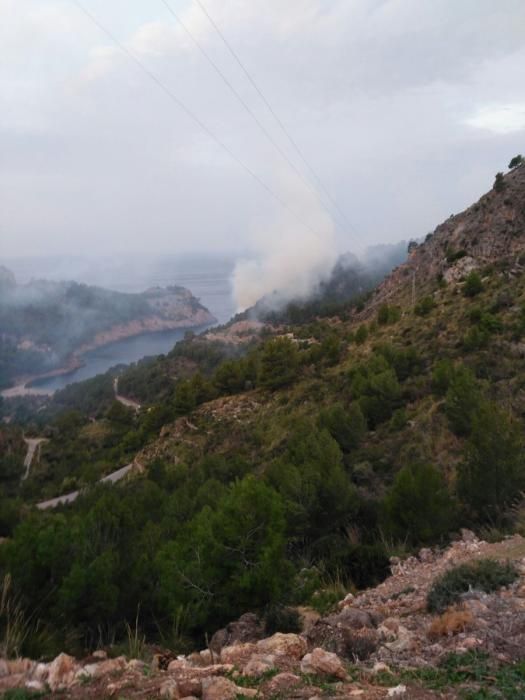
(207, 277)
(121, 352)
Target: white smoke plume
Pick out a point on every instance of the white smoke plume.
(289, 257)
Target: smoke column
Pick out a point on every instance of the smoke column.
(289, 258)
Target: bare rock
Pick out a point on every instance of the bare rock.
(40, 672)
(189, 687)
(405, 640)
(324, 663)
(100, 654)
(17, 666)
(380, 667)
(349, 634)
(347, 600)
(62, 672)
(258, 665)
(279, 685)
(238, 654)
(279, 644)
(223, 689)
(248, 628)
(426, 555)
(178, 665)
(36, 686)
(136, 665)
(104, 668)
(169, 690)
(202, 658)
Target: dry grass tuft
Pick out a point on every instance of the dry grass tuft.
(451, 622)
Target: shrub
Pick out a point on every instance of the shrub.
(361, 334)
(499, 183)
(517, 160)
(451, 622)
(418, 507)
(475, 339)
(462, 400)
(442, 376)
(425, 306)
(388, 314)
(454, 255)
(279, 363)
(485, 575)
(493, 471)
(399, 419)
(346, 427)
(473, 285)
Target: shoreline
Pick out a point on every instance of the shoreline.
(25, 386)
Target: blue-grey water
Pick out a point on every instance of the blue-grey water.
(207, 277)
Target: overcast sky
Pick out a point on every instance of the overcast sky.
(404, 108)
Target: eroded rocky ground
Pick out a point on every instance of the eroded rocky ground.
(381, 644)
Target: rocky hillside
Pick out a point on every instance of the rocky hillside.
(491, 230)
(381, 643)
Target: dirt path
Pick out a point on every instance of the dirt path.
(71, 497)
(129, 403)
(33, 444)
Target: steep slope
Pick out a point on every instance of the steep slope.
(491, 230)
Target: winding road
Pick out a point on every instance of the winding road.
(32, 445)
(129, 403)
(110, 478)
(71, 497)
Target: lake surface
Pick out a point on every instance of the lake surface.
(121, 352)
(207, 277)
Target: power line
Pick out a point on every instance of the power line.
(171, 95)
(275, 115)
(243, 102)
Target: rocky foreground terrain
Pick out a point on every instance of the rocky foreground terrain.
(381, 643)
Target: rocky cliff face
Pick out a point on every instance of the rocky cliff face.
(491, 230)
(381, 644)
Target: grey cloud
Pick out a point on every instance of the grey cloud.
(382, 97)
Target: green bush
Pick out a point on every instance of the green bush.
(442, 376)
(499, 183)
(462, 400)
(388, 314)
(279, 363)
(418, 507)
(473, 284)
(425, 306)
(347, 427)
(485, 575)
(493, 470)
(361, 334)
